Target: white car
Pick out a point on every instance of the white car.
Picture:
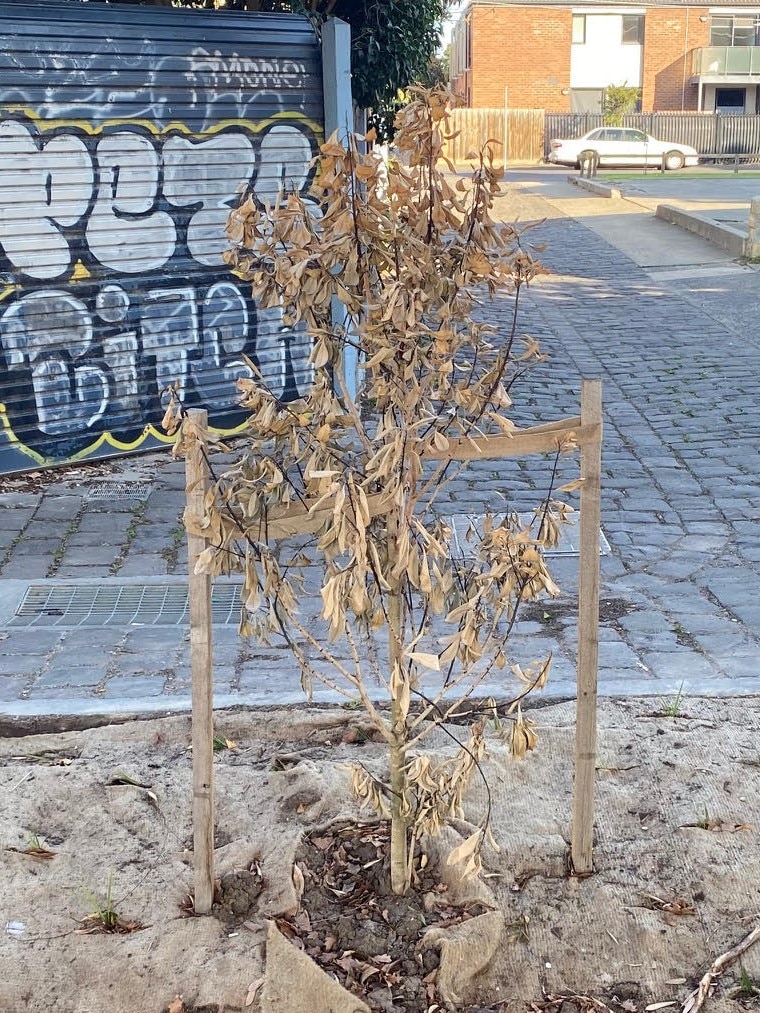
(621, 146)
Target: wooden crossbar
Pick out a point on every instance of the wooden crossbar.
(301, 518)
(540, 439)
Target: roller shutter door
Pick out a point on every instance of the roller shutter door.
(126, 135)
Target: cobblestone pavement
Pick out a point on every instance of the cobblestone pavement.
(678, 350)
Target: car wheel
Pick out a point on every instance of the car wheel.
(674, 160)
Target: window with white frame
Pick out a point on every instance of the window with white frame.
(579, 29)
(735, 30)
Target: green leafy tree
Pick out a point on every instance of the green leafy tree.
(619, 100)
(437, 71)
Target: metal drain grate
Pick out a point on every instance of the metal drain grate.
(569, 544)
(112, 604)
(121, 490)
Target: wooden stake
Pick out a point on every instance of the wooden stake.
(588, 632)
(199, 592)
(399, 857)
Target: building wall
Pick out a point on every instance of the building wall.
(523, 49)
(529, 51)
(602, 59)
(709, 95)
(460, 60)
(670, 35)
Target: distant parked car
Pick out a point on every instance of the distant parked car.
(621, 146)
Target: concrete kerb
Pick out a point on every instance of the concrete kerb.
(600, 189)
(734, 241)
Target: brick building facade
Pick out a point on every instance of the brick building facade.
(561, 57)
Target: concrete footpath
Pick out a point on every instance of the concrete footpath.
(715, 209)
(92, 557)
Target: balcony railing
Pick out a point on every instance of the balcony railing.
(725, 61)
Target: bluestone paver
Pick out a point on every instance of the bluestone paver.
(680, 503)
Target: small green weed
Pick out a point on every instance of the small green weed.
(35, 848)
(747, 988)
(103, 916)
(221, 743)
(672, 707)
(706, 821)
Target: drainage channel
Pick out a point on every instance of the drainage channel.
(109, 603)
(134, 492)
(103, 603)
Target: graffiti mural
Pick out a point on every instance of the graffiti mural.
(112, 234)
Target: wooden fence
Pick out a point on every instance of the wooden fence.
(529, 131)
(476, 127)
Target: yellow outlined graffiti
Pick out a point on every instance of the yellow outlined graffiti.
(174, 127)
(103, 440)
(78, 272)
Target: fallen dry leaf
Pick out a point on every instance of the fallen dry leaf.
(40, 854)
(253, 990)
(717, 826)
(677, 906)
(298, 881)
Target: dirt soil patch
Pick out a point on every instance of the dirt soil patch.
(353, 925)
(677, 857)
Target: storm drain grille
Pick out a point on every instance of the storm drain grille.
(112, 604)
(569, 544)
(136, 491)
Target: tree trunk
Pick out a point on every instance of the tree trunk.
(399, 845)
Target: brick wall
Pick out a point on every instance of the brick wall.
(526, 49)
(669, 33)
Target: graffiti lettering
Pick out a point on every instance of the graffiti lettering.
(243, 73)
(187, 181)
(123, 215)
(223, 340)
(71, 84)
(42, 188)
(50, 333)
(119, 166)
(235, 81)
(125, 230)
(121, 218)
(194, 337)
